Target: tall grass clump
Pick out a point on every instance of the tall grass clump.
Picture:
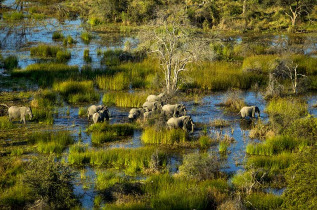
(68, 41)
(119, 81)
(45, 51)
(232, 102)
(107, 179)
(5, 123)
(76, 91)
(13, 15)
(10, 62)
(205, 141)
(287, 109)
(263, 201)
(117, 129)
(122, 99)
(223, 146)
(260, 63)
(131, 160)
(221, 75)
(274, 145)
(87, 57)
(275, 162)
(51, 142)
(153, 136)
(57, 35)
(63, 56)
(86, 37)
(306, 64)
(112, 133)
(82, 111)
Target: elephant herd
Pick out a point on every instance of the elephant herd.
(154, 105)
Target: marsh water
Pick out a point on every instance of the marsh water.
(18, 38)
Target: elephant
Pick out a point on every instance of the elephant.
(147, 115)
(175, 110)
(249, 111)
(135, 113)
(20, 112)
(100, 116)
(152, 106)
(185, 122)
(94, 108)
(153, 98)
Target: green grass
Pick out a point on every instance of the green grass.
(123, 99)
(86, 37)
(51, 142)
(13, 16)
(107, 179)
(5, 123)
(57, 35)
(82, 111)
(223, 146)
(205, 142)
(87, 57)
(45, 51)
(274, 145)
(77, 91)
(119, 81)
(164, 136)
(132, 161)
(63, 56)
(220, 123)
(260, 63)
(232, 102)
(276, 162)
(68, 41)
(263, 201)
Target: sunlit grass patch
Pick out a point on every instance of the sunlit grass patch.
(13, 16)
(119, 81)
(131, 160)
(223, 146)
(205, 141)
(275, 162)
(51, 142)
(123, 99)
(77, 91)
(107, 179)
(5, 123)
(45, 51)
(263, 201)
(260, 63)
(273, 146)
(153, 136)
(82, 111)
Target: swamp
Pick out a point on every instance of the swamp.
(153, 104)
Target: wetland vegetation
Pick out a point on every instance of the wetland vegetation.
(57, 58)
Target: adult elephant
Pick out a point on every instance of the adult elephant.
(94, 109)
(249, 111)
(152, 106)
(100, 116)
(20, 113)
(135, 113)
(153, 98)
(185, 122)
(174, 110)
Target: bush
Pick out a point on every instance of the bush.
(199, 166)
(51, 182)
(10, 62)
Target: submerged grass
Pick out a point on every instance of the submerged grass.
(153, 136)
(122, 99)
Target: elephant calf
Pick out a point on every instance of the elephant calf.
(100, 116)
(135, 113)
(185, 122)
(249, 111)
(20, 113)
(152, 106)
(94, 109)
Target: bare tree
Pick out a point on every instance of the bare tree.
(175, 46)
(296, 8)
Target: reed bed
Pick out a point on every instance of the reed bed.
(107, 179)
(287, 108)
(45, 51)
(77, 92)
(153, 136)
(119, 81)
(131, 160)
(51, 142)
(263, 201)
(260, 63)
(272, 146)
(116, 129)
(122, 99)
(276, 162)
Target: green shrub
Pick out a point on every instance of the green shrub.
(51, 181)
(165, 136)
(10, 62)
(199, 166)
(263, 201)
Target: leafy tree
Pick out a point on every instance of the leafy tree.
(50, 182)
